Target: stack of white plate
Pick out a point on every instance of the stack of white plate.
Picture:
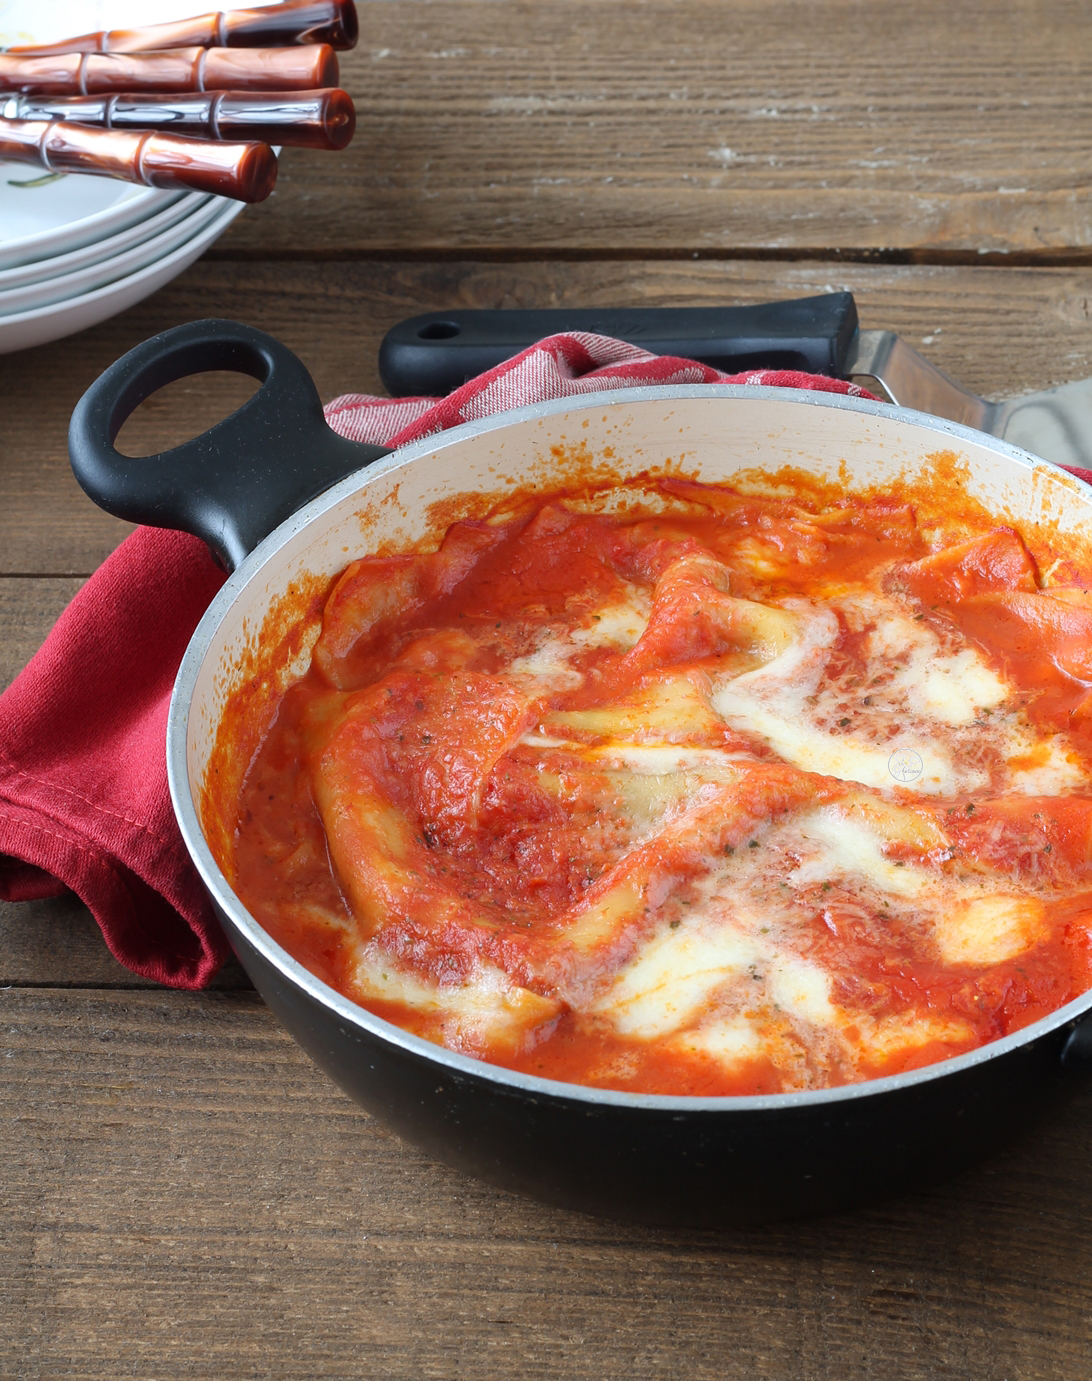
(75, 250)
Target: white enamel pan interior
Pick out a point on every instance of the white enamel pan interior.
(711, 432)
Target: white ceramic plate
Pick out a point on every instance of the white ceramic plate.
(107, 248)
(41, 218)
(87, 279)
(25, 329)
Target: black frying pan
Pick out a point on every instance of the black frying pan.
(278, 496)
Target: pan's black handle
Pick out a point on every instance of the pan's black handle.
(234, 484)
(434, 354)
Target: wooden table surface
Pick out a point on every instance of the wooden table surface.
(182, 1194)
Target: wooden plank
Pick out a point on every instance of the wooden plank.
(184, 1194)
(771, 125)
(999, 331)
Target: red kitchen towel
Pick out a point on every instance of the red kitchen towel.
(83, 780)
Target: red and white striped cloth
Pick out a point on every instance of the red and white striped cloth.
(558, 367)
(84, 804)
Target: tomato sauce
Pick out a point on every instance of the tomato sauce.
(746, 796)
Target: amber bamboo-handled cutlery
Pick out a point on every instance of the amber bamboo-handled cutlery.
(242, 171)
(275, 26)
(304, 119)
(195, 103)
(174, 69)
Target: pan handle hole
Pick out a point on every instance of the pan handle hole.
(439, 330)
(178, 412)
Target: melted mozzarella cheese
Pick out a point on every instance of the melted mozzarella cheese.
(778, 717)
(668, 711)
(988, 930)
(1041, 766)
(877, 1039)
(951, 688)
(549, 665)
(801, 989)
(728, 981)
(918, 692)
(661, 758)
(954, 689)
(842, 755)
(672, 978)
(618, 624)
(848, 848)
(485, 1006)
(729, 1041)
(777, 703)
(772, 701)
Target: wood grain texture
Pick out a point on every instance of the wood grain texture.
(1000, 331)
(790, 126)
(183, 1194)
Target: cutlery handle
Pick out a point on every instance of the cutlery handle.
(307, 119)
(431, 355)
(176, 69)
(244, 172)
(275, 26)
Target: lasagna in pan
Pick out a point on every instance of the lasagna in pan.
(721, 794)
